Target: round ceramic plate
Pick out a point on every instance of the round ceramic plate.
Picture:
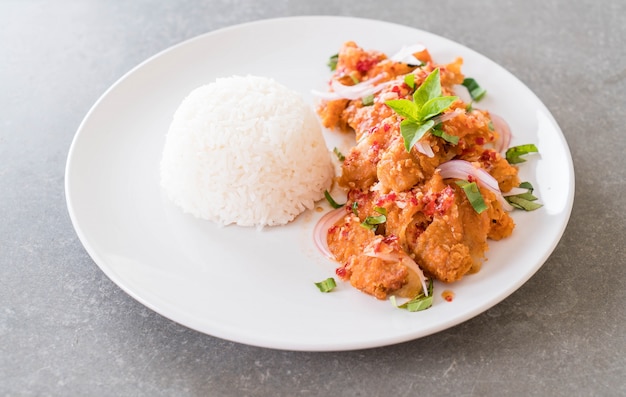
(257, 287)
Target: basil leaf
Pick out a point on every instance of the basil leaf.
(453, 139)
(435, 106)
(404, 108)
(372, 221)
(368, 100)
(412, 132)
(473, 195)
(409, 80)
(513, 154)
(326, 285)
(522, 203)
(332, 62)
(429, 89)
(476, 91)
(420, 302)
(331, 201)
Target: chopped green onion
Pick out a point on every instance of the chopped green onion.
(409, 80)
(453, 139)
(372, 222)
(513, 154)
(368, 100)
(355, 80)
(420, 302)
(339, 155)
(355, 208)
(476, 91)
(331, 201)
(491, 127)
(524, 201)
(469, 107)
(473, 195)
(326, 285)
(332, 62)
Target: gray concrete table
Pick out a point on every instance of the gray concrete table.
(66, 329)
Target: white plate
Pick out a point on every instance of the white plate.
(257, 287)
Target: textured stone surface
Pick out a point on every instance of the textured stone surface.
(66, 329)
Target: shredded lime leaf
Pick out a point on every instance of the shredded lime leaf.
(368, 100)
(476, 91)
(427, 103)
(420, 302)
(513, 154)
(339, 155)
(332, 201)
(473, 195)
(524, 201)
(372, 222)
(327, 285)
(332, 62)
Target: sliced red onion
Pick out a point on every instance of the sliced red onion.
(400, 257)
(352, 92)
(503, 129)
(320, 232)
(448, 116)
(461, 169)
(424, 148)
(405, 55)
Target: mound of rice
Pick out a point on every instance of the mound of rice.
(245, 150)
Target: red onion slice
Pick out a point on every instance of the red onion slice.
(461, 169)
(405, 55)
(352, 92)
(320, 232)
(503, 129)
(424, 148)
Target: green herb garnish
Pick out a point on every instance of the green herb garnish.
(326, 285)
(339, 155)
(524, 201)
(371, 222)
(476, 91)
(355, 208)
(453, 139)
(420, 302)
(409, 80)
(368, 100)
(332, 62)
(473, 195)
(427, 103)
(331, 201)
(513, 154)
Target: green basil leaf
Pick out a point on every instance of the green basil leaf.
(412, 132)
(368, 100)
(420, 302)
(404, 108)
(409, 80)
(332, 62)
(476, 91)
(429, 89)
(435, 106)
(513, 154)
(453, 139)
(326, 285)
(331, 201)
(523, 204)
(473, 195)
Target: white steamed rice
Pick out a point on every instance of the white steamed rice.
(245, 150)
